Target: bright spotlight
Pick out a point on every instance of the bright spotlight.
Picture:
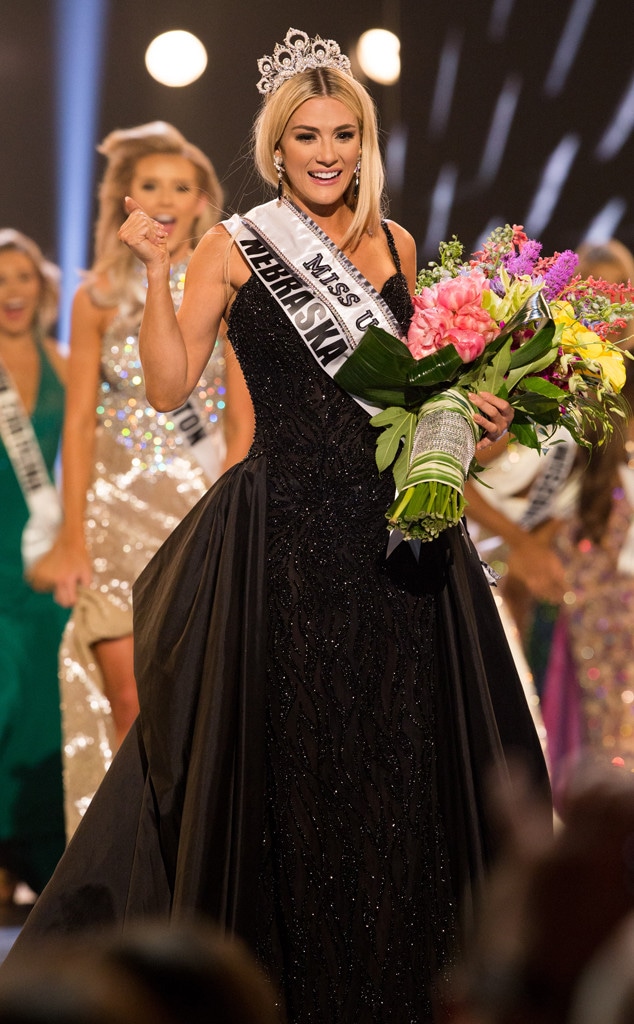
(379, 55)
(176, 58)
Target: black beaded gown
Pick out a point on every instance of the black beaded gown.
(318, 722)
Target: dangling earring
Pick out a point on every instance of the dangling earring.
(356, 177)
(279, 167)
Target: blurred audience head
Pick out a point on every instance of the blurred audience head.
(605, 993)
(550, 903)
(610, 260)
(152, 974)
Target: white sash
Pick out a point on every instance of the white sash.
(42, 499)
(328, 301)
(548, 485)
(193, 433)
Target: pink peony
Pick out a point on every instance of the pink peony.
(451, 312)
(427, 329)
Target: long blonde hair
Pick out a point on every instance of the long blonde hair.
(123, 149)
(48, 273)
(368, 205)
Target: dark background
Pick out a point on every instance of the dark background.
(494, 42)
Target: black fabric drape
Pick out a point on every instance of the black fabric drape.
(175, 828)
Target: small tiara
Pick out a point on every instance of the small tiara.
(298, 53)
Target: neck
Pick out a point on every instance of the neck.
(180, 254)
(7, 340)
(333, 220)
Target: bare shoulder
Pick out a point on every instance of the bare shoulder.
(57, 357)
(404, 241)
(87, 304)
(217, 257)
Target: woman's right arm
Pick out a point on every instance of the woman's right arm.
(67, 565)
(531, 558)
(174, 350)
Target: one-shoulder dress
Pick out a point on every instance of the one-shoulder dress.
(318, 722)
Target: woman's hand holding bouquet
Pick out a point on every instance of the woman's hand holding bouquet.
(505, 324)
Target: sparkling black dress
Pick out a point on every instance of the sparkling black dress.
(317, 721)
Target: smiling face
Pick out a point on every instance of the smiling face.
(320, 147)
(166, 186)
(20, 291)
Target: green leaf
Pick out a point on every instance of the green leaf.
(441, 367)
(543, 387)
(401, 466)
(493, 377)
(535, 407)
(535, 348)
(526, 434)
(515, 376)
(380, 363)
(399, 424)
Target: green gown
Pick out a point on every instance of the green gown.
(31, 624)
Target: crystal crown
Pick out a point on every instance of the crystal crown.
(298, 53)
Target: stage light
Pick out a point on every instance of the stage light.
(379, 55)
(79, 49)
(441, 204)
(553, 178)
(564, 57)
(500, 129)
(448, 64)
(176, 58)
(605, 224)
(620, 127)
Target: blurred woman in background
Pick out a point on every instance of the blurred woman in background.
(129, 473)
(32, 371)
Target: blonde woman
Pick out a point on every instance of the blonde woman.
(129, 473)
(317, 721)
(32, 371)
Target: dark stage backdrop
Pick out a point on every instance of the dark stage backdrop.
(506, 110)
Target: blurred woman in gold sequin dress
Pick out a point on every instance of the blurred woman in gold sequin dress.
(129, 473)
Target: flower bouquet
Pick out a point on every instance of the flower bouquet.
(506, 321)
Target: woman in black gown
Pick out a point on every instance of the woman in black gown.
(317, 720)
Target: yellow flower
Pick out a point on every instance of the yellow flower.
(599, 357)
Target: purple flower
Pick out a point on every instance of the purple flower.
(558, 276)
(520, 263)
(497, 286)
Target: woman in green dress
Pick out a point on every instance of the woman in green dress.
(31, 624)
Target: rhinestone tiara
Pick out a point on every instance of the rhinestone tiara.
(298, 53)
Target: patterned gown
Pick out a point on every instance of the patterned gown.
(589, 690)
(317, 722)
(146, 478)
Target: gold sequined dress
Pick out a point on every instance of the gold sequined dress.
(150, 468)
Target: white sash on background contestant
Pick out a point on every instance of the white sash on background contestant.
(42, 499)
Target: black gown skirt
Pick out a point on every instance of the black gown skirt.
(319, 723)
